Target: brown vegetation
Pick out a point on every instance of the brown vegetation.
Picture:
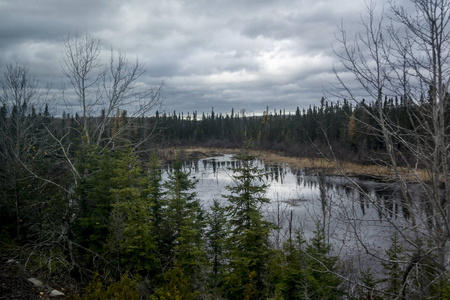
(330, 167)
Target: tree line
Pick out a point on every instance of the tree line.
(307, 132)
(351, 128)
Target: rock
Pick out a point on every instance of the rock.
(14, 286)
(12, 262)
(56, 293)
(36, 282)
(15, 266)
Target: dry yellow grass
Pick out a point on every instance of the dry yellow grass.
(328, 166)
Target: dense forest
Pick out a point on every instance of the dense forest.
(83, 201)
(304, 133)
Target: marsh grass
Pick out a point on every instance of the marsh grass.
(323, 165)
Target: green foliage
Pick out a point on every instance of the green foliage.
(393, 267)
(445, 290)
(368, 288)
(177, 286)
(290, 285)
(321, 265)
(91, 223)
(216, 235)
(153, 191)
(308, 270)
(126, 288)
(425, 277)
(183, 224)
(179, 200)
(132, 230)
(248, 244)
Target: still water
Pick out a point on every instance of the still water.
(357, 219)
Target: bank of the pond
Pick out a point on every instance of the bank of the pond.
(323, 165)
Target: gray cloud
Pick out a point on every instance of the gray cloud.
(211, 53)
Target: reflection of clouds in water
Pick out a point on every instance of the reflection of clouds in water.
(349, 212)
(293, 186)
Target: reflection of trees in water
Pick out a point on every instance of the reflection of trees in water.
(384, 198)
(276, 173)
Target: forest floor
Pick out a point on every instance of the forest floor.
(14, 284)
(15, 281)
(323, 165)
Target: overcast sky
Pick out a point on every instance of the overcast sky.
(241, 54)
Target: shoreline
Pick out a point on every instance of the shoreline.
(328, 167)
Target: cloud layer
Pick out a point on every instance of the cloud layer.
(239, 54)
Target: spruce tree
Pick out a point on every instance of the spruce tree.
(132, 231)
(153, 191)
(321, 279)
(249, 249)
(217, 233)
(307, 269)
(293, 271)
(393, 267)
(183, 226)
(90, 226)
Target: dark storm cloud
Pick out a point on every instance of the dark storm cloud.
(223, 54)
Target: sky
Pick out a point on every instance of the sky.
(222, 54)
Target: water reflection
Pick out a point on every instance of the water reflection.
(355, 211)
(370, 198)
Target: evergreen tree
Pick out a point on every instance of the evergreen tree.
(322, 281)
(183, 227)
(132, 229)
(291, 283)
(91, 223)
(307, 269)
(177, 286)
(217, 234)
(368, 288)
(393, 267)
(153, 191)
(249, 249)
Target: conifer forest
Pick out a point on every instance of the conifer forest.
(84, 204)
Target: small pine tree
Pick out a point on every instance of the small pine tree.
(177, 286)
(368, 287)
(216, 235)
(153, 191)
(290, 285)
(307, 269)
(90, 226)
(323, 283)
(393, 268)
(248, 244)
(133, 233)
(126, 288)
(183, 226)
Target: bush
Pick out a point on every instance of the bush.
(126, 288)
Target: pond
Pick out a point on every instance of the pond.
(358, 220)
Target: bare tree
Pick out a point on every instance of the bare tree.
(409, 58)
(20, 139)
(103, 91)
